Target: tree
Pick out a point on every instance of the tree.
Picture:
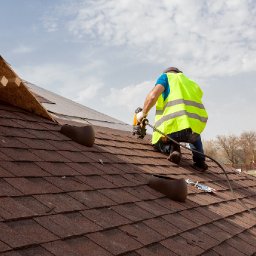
(210, 148)
(248, 148)
(230, 146)
(240, 151)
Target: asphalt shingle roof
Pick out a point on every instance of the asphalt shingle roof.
(61, 198)
(64, 109)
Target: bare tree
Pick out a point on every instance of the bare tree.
(248, 148)
(210, 148)
(230, 146)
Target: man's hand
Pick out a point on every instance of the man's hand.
(140, 116)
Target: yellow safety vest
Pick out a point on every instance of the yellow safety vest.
(182, 109)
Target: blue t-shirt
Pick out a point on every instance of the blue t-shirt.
(163, 80)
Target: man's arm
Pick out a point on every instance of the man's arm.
(152, 98)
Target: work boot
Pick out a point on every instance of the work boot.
(174, 157)
(200, 166)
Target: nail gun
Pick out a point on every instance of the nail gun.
(139, 128)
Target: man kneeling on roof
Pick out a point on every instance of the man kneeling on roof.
(180, 113)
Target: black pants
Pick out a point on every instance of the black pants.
(187, 136)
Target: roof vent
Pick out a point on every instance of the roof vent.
(83, 135)
(172, 188)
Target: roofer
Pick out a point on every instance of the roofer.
(179, 114)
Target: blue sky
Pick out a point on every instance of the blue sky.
(107, 54)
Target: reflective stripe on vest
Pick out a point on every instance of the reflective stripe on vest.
(180, 101)
(182, 109)
(180, 113)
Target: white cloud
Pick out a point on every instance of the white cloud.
(89, 92)
(206, 37)
(128, 97)
(73, 82)
(125, 100)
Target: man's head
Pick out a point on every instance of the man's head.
(172, 69)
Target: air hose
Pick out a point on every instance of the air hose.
(146, 122)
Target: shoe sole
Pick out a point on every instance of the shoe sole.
(174, 157)
(198, 168)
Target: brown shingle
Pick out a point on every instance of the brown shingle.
(195, 216)
(11, 142)
(242, 246)
(162, 226)
(132, 212)
(119, 196)
(229, 227)
(142, 233)
(24, 232)
(92, 199)
(68, 184)
(76, 157)
(32, 251)
(153, 207)
(170, 204)
(57, 169)
(105, 217)
(180, 246)
(248, 238)
(63, 145)
(64, 226)
(46, 135)
(200, 239)
(76, 247)
(15, 132)
(225, 249)
(4, 173)
(115, 241)
(96, 182)
(208, 213)
(60, 203)
(19, 154)
(49, 156)
(34, 205)
(36, 144)
(23, 169)
(8, 190)
(29, 125)
(4, 247)
(179, 221)
(9, 123)
(85, 168)
(155, 249)
(30, 186)
(11, 209)
(119, 181)
(215, 232)
(140, 192)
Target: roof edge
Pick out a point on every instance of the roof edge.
(14, 92)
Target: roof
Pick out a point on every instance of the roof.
(61, 198)
(57, 195)
(63, 108)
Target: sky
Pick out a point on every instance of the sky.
(108, 54)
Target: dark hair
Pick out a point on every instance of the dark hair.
(172, 69)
